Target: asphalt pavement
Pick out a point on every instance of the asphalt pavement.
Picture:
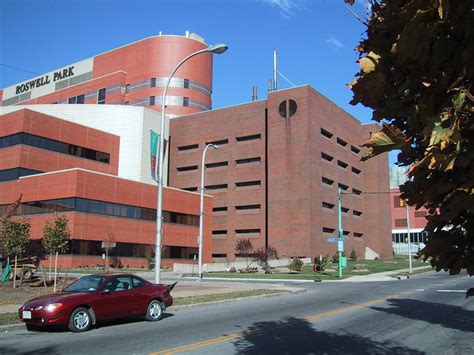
(424, 314)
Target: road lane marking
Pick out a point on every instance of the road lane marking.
(313, 317)
(453, 291)
(420, 290)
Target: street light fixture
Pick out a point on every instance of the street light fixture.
(201, 208)
(217, 49)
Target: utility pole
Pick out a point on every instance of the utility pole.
(410, 270)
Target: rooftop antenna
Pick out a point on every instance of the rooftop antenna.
(275, 86)
(254, 93)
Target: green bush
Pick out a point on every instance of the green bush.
(353, 255)
(296, 264)
(321, 264)
(335, 257)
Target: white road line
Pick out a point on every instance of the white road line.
(452, 291)
(420, 290)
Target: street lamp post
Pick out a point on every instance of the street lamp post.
(217, 49)
(201, 208)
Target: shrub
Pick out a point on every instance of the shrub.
(335, 257)
(321, 264)
(296, 264)
(353, 255)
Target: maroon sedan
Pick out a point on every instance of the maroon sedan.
(95, 298)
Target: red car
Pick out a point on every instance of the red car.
(95, 298)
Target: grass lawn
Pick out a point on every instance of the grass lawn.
(223, 296)
(9, 318)
(372, 266)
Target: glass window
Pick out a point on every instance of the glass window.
(85, 284)
(101, 96)
(152, 101)
(71, 100)
(186, 83)
(153, 82)
(80, 99)
(137, 282)
(118, 284)
(186, 101)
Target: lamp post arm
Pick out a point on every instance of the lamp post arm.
(159, 209)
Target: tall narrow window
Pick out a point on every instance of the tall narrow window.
(152, 101)
(101, 96)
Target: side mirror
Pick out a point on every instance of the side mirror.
(105, 291)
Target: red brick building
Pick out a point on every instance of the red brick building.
(276, 173)
(62, 167)
(274, 178)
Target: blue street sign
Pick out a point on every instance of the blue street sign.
(336, 239)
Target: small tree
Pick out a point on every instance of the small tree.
(56, 239)
(244, 247)
(16, 235)
(108, 244)
(262, 256)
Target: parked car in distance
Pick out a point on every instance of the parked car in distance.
(95, 298)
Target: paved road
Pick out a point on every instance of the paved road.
(427, 314)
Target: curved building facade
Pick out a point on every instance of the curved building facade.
(134, 74)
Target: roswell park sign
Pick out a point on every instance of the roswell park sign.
(48, 83)
(44, 80)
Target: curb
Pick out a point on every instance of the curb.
(248, 279)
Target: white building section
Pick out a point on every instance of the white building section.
(131, 123)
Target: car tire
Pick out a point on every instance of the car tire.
(31, 327)
(27, 273)
(80, 320)
(154, 311)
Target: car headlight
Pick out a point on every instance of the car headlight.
(52, 306)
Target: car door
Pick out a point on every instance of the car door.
(140, 295)
(115, 299)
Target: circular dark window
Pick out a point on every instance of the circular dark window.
(287, 108)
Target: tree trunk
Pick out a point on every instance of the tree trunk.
(55, 271)
(14, 272)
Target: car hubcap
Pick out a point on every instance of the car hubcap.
(81, 320)
(155, 310)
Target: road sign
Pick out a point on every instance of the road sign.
(336, 239)
(340, 245)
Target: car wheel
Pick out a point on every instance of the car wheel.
(80, 320)
(31, 327)
(27, 273)
(154, 311)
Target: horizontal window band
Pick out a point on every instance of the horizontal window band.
(79, 204)
(54, 146)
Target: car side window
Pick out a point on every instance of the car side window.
(119, 283)
(137, 282)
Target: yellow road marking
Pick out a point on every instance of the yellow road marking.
(225, 338)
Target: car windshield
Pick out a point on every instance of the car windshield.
(85, 284)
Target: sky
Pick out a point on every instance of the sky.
(315, 40)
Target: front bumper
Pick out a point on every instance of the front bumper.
(42, 318)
